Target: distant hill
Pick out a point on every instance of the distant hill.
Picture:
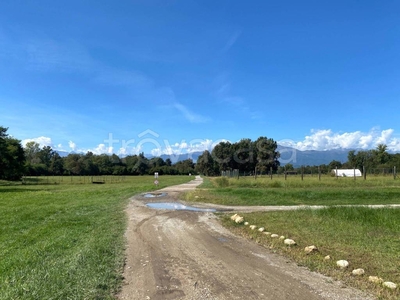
(288, 156)
(311, 157)
(63, 153)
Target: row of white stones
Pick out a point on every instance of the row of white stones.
(311, 249)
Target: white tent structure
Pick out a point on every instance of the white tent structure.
(347, 172)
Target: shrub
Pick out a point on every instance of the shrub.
(222, 181)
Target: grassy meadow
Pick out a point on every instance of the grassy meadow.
(66, 240)
(367, 238)
(294, 191)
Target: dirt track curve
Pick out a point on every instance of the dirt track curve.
(178, 254)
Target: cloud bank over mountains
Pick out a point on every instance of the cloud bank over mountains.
(328, 140)
(321, 140)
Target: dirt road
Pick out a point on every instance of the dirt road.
(189, 255)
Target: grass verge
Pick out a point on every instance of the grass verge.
(367, 238)
(66, 241)
(294, 191)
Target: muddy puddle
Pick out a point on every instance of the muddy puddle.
(154, 195)
(178, 206)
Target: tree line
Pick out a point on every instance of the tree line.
(261, 156)
(246, 156)
(46, 161)
(33, 160)
(377, 159)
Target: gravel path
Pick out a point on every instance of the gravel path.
(178, 254)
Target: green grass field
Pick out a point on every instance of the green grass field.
(66, 241)
(294, 191)
(367, 238)
(62, 237)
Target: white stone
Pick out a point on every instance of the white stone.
(267, 233)
(390, 285)
(252, 227)
(375, 279)
(310, 249)
(289, 242)
(358, 272)
(246, 223)
(281, 237)
(234, 217)
(261, 229)
(342, 263)
(328, 257)
(239, 219)
(274, 235)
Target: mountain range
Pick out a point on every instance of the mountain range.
(311, 157)
(288, 156)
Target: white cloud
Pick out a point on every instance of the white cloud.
(41, 140)
(394, 145)
(102, 148)
(189, 115)
(196, 145)
(232, 40)
(385, 136)
(327, 139)
(72, 145)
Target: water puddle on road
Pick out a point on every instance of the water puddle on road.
(178, 206)
(154, 195)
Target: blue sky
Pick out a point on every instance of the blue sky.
(167, 76)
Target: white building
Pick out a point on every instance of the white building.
(347, 172)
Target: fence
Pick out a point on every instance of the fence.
(365, 173)
(72, 179)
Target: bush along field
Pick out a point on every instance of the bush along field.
(358, 245)
(66, 241)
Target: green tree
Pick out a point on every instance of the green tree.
(185, 167)
(141, 167)
(266, 154)
(243, 155)
(289, 167)
(206, 165)
(32, 150)
(130, 161)
(12, 157)
(56, 166)
(381, 156)
(335, 164)
(105, 164)
(74, 164)
(168, 162)
(352, 159)
(223, 155)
